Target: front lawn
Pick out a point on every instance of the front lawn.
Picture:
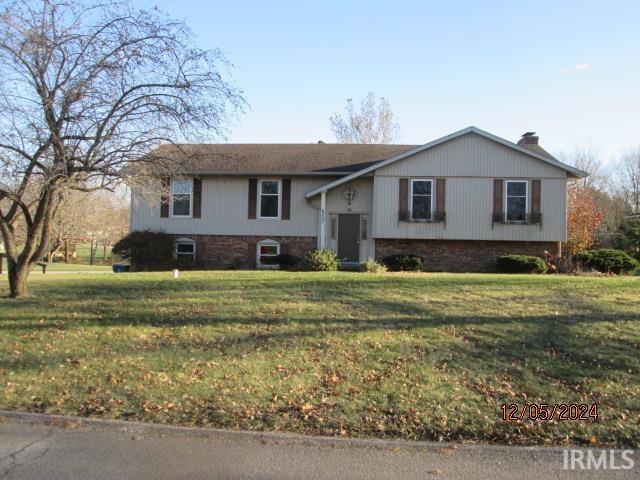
(418, 356)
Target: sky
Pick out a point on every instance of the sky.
(569, 71)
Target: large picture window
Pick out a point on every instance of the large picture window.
(269, 198)
(181, 190)
(516, 200)
(421, 199)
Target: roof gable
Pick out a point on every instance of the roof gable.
(545, 157)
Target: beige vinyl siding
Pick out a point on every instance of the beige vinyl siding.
(468, 203)
(469, 164)
(472, 156)
(224, 211)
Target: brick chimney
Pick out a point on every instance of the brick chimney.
(528, 138)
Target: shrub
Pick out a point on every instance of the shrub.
(521, 264)
(324, 260)
(373, 267)
(146, 249)
(403, 262)
(607, 260)
(288, 262)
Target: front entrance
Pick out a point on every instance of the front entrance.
(349, 237)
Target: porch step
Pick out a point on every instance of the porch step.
(350, 266)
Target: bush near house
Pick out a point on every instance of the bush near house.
(146, 250)
(288, 262)
(521, 264)
(403, 262)
(373, 267)
(323, 260)
(607, 260)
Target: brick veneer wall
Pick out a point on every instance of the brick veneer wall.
(232, 251)
(461, 255)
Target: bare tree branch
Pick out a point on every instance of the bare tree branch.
(87, 89)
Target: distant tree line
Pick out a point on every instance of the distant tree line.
(604, 208)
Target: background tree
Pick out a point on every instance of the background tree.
(373, 123)
(69, 222)
(628, 179)
(599, 185)
(630, 232)
(86, 90)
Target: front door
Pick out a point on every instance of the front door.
(349, 237)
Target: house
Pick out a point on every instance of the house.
(458, 201)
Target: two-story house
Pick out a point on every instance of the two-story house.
(458, 201)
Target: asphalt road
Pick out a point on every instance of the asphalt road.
(31, 449)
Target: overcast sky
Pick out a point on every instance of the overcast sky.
(567, 70)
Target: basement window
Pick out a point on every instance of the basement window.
(185, 249)
(267, 254)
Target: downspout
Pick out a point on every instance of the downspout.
(323, 206)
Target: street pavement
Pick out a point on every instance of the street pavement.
(39, 447)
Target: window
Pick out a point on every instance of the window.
(185, 248)
(269, 198)
(516, 201)
(421, 199)
(181, 197)
(267, 254)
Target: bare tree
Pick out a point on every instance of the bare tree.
(373, 123)
(599, 187)
(628, 179)
(588, 160)
(68, 224)
(86, 89)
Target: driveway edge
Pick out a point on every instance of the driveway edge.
(131, 427)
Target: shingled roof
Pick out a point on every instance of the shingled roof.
(228, 158)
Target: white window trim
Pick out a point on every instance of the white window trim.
(184, 240)
(259, 198)
(190, 201)
(433, 195)
(267, 242)
(506, 196)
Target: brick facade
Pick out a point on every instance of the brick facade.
(239, 251)
(461, 255)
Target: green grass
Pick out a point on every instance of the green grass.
(417, 356)
(66, 267)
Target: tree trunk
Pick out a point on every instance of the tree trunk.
(91, 253)
(66, 251)
(18, 278)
